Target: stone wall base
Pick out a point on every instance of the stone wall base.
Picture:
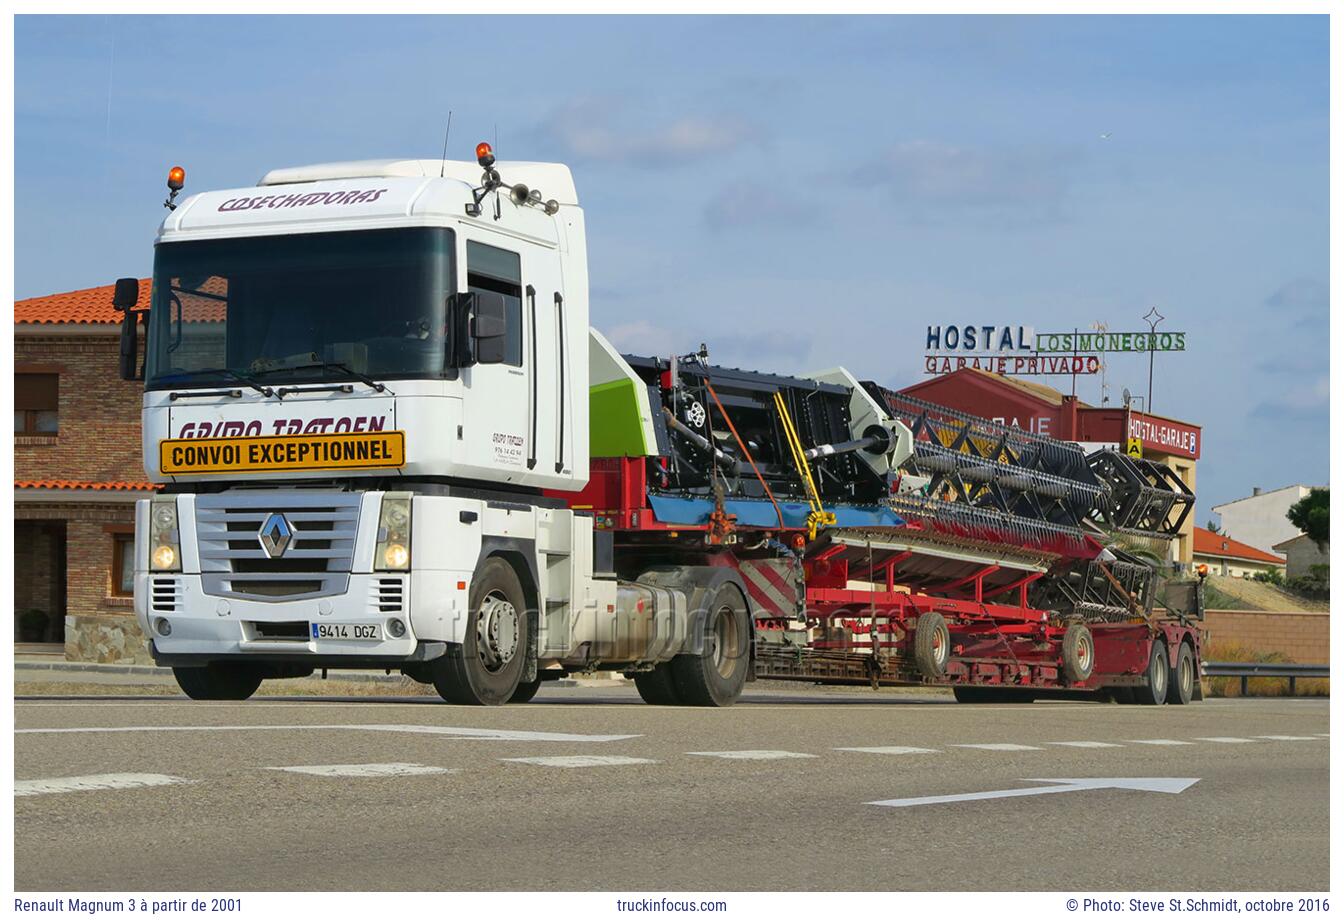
(106, 639)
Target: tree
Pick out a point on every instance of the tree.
(1214, 528)
(1311, 515)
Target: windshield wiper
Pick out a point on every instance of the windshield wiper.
(241, 378)
(335, 365)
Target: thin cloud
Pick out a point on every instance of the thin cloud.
(751, 204)
(936, 178)
(602, 131)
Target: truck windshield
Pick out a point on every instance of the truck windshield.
(308, 307)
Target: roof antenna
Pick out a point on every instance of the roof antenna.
(443, 161)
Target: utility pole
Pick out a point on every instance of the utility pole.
(1153, 318)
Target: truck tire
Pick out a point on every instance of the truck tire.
(716, 676)
(658, 687)
(1181, 680)
(1154, 692)
(219, 680)
(1078, 653)
(484, 669)
(933, 645)
(526, 691)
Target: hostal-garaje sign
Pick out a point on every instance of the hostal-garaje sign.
(983, 339)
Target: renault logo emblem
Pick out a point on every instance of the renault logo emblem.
(275, 535)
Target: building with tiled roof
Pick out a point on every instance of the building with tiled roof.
(1225, 556)
(77, 474)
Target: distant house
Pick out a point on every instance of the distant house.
(1261, 518)
(1302, 553)
(78, 470)
(1225, 556)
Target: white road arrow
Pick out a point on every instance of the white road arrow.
(1168, 784)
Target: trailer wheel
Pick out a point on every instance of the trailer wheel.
(716, 676)
(658, 687)
(933, 645)
(1078, 653)
(219, 680)
(1154, 692)
(1181, 680)
(526, 691)
(484, 670)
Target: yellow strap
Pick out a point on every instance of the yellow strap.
(819, 515)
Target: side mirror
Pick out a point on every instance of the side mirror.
(126, 294)
(488, 327)
(130, 347)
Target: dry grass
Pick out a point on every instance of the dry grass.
(1256, 686)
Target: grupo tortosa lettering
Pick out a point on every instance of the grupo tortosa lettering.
(254, 427)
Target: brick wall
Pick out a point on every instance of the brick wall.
(1303, 637)
(98, 412)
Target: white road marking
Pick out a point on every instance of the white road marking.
(1085, 744)
(1164, 741)
(751, 755)
(365, 769)
(1170, 785)
(96, 781)
(1286, 737)
(1229, 740)
(1322, 734)
(579, 760)
(892, 749)
(470, 734)
(1000, 747)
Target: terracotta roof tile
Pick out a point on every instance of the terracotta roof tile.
(90, 305)
(92, 485)
(94, 305)
(1208, 543)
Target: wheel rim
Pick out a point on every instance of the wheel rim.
(940, 647)
(1187, 676)
(1084, 655)
(727, 642)
(496, 631)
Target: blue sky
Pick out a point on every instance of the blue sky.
(797, 192)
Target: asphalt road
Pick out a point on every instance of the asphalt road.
(452, 799)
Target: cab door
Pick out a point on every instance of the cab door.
(497, 397)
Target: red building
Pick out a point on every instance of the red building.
(1044, 410)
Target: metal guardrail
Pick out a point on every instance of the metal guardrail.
(1248, 669)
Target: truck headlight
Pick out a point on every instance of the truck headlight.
(165, 553)
(393, 552)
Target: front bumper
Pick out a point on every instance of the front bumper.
(207, 627)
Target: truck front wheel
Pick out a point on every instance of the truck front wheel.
(716, 676)
(485, 669)
(219, 680)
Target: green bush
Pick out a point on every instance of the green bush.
(1272, 577)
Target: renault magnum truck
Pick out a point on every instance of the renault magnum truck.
(385, 437)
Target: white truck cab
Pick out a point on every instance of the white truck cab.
(359, 378)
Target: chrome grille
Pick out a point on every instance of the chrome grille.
(165, 595)
(316, 563)
(387, 595)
